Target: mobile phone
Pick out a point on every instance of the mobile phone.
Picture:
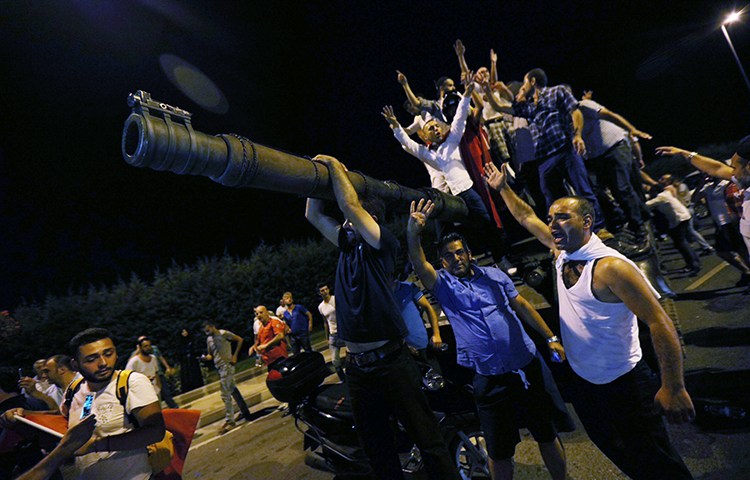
(86, 410)
(20, 372)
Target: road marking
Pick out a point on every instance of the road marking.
(707, 276)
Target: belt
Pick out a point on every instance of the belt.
(369, 357)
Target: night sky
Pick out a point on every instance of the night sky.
(307, 77)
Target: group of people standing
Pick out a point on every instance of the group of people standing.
(621, 402)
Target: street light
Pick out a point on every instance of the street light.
(731, 18)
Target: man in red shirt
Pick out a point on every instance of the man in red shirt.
(270, 342)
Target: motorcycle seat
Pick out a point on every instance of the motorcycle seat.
(333, 399)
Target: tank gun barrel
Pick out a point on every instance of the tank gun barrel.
(161, 137)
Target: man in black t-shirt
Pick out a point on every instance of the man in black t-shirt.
(382, 377)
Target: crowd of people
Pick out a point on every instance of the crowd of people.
(570, 172)
(568, 159)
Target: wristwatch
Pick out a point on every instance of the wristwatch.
(553, 339)
(690, 156)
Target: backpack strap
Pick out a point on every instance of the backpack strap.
(121, 392)
(71, 391)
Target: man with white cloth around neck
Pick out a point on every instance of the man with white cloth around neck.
(601, 293)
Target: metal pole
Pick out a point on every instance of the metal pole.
(737, 59)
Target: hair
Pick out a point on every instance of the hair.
(375, 207)
(440, 81)
(209, 323)
(9, 380)
(90, 335)
(62, 361)
(410, 108)
(584, 206)
(538, 75)
(142, 339)
(323, 284)
(450, 238)
(743, 149)
(514, 87)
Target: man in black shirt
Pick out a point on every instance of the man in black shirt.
(383, 379)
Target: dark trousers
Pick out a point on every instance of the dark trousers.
(679, 236)
(391, 386)
(300, 341)
(568, 165)
(613, 170)
(619, 419)
(166, 392)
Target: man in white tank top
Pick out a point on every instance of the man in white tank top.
(601, 293)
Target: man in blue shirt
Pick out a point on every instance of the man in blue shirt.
(299, 320)
(484, 308)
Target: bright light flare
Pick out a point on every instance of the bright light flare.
(732, 17)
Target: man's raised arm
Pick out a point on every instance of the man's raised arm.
(325, 224)
(418, 215)
(404, 82)
(348, 201)
(621, 122)
(520, 210)
(707, 165)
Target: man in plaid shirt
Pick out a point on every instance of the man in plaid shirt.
(556, 123)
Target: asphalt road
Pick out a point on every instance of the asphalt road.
(714, 319)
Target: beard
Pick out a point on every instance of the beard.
(98, 376)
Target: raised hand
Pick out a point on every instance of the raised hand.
(639, 134)
(496, 178)
(418, 215)
(459, 47)
(672, 151)
(401, 78)
(325, 159)
(493, 56)
(468, 81)
(389, 116)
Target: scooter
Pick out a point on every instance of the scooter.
(322, 413)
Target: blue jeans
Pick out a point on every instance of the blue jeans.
(568, 165)
(226, 381)
(229, 390)
(300, 341)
